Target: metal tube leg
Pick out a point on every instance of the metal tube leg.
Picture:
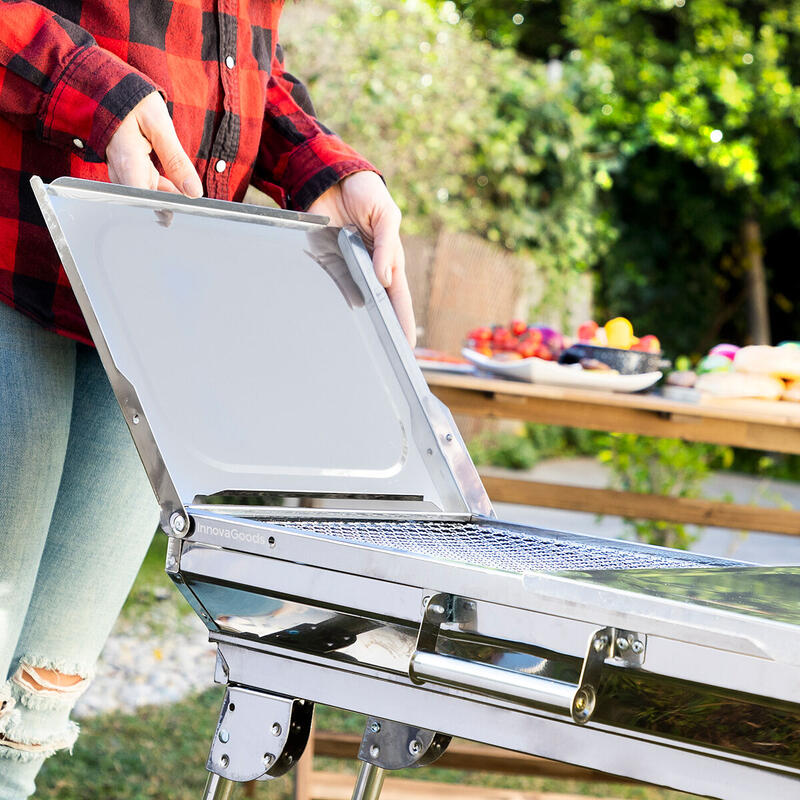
(218, 788)
(369, 782)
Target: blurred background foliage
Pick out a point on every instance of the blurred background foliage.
(651, 141)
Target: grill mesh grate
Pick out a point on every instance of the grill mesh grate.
(498, 547)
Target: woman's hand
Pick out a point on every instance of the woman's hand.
(148, 127)
(362, 199)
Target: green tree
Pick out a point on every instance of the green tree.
(468, 136)
(716, 82)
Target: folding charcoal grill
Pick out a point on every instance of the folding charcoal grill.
(328, 526)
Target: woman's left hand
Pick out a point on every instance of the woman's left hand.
(362, 200)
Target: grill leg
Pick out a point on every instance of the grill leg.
(369, 782)
(218, 788)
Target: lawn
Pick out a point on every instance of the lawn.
(160, 752)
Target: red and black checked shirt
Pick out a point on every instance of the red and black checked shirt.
(70, 70)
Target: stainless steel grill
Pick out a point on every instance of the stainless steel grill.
(438, 624)
(500, 547)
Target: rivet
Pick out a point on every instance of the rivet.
(135, 419)
(224, 760)
(178, 523)
(622, 645)
(223, 736)
(414, 747)
(637, 647)
(600, 643)
(374, 751)
(276, 729)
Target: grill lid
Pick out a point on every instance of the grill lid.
(253, 350)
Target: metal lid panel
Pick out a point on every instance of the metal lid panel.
(258, 355)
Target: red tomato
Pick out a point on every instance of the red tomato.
(587, 331)
(480, 334)
(543, 352)
(518, 327)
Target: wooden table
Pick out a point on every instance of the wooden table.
(756, 424)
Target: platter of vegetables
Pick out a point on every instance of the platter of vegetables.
(541, 354)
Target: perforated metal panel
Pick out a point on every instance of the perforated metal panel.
(504, 548)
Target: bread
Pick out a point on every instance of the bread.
(792, 391)
(779, 362)
(740, 384)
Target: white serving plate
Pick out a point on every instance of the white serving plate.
(536, 370)
(445, 366)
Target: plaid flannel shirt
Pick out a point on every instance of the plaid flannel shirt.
(71, 70)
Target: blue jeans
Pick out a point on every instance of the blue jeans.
(76, 517)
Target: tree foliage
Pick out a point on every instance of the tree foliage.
(708, 91)
(467, 136)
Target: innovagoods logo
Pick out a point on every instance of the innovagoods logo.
(234, 534)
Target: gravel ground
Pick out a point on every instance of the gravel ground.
(159, 658)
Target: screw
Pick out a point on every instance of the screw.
(637, 647)
(135, 419)
(414, 747)
(223, 736)
(622, 645)
(224, 760)
(268, 759)
(600, 643)
(375, 727)
(437, 609)
(178, 523)
(276, 729)
(374, 751)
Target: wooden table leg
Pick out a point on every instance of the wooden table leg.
(304, 769)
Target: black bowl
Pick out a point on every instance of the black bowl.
(626, 362)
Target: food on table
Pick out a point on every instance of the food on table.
(518, 327)
(714, 363)
(517, 339)
(779, 362)
(727, 350)
(647, 344)
(792, 391)
(740, 384)
(597, 366)
(682, 377)
(426, 354)
(587, 331)
(619, 333)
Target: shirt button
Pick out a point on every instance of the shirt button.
(78, 143)
(220, 166)
(230, 62)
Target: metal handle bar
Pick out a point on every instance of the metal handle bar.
(492, 681)
(579, 699)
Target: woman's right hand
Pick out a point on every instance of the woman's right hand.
(147, 128)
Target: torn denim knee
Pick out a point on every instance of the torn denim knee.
(17, 745)
(35, 690)
(34, 709)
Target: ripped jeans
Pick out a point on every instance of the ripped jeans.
(76, 518)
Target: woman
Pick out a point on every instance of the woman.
(186, 96)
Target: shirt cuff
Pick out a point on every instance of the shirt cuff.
(316, 165)
(91, 97)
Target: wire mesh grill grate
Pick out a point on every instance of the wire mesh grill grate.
(498, 547)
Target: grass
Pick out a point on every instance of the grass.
(160, 752)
